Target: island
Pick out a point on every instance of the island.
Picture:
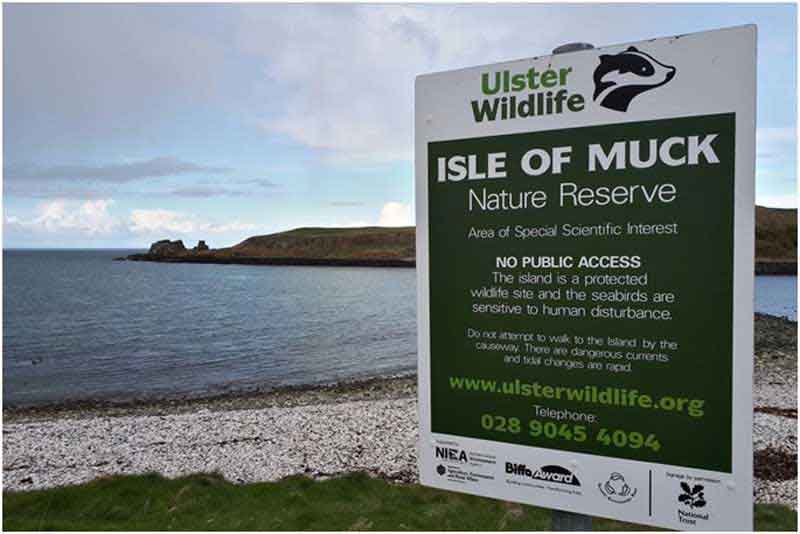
(776, 241)
(776, 247)
(367, 247)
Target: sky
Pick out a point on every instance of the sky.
(125, 124)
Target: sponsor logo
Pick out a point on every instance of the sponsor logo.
(616, 489)
(547, 473)
(692, 502)
(451, 454)
(462, 466)
(619, 78)
(692, 497)
(525, 94)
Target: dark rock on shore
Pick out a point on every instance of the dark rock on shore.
(788, 267)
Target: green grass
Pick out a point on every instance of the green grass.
(354, 502)
(345, 232)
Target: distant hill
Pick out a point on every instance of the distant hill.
(776, 246)
(776, 234)
(339, 243)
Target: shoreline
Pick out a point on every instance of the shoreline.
(289, 261)
(773, 334)
(357, 389)
(325, 430)
(762, 267)
(776, 267)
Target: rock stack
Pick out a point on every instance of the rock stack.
(165, 247)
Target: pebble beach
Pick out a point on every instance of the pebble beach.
(323, 431)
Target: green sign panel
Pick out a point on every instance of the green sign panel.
(582, 292)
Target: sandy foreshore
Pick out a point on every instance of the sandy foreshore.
(322, 431)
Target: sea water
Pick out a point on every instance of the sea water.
(78, 325)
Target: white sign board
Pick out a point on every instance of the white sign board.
(585, 241)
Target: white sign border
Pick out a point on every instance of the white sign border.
(739, 482)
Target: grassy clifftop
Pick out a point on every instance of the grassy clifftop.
(330, 243)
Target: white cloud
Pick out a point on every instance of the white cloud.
(344, 223)
(776, 167)
(167, 222)
(396, 214)
(776, 134)
(77, 70)
(776, 150)
(777, 201)
(235, 226)
(775, 143)
(90, 217)
(344, 74)
(159, 221)
(113, 172)
(347, 90)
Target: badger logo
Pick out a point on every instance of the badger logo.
(621, 77)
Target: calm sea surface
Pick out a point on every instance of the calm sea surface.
(777, 295)
(77, 325)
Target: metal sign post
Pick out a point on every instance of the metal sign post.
(562, 521)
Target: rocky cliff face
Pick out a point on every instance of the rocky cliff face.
(167, 248)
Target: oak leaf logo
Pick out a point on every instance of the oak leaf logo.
(692, 496)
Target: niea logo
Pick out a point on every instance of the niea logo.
(547, 473)
(449, 453)
(621, 77)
